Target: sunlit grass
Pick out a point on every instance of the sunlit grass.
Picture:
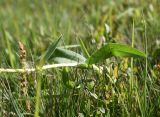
(117, 86)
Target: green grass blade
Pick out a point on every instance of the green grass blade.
(12, 99)
(67, 56)
(84, 49)
(17, 109)
(8, 42)
(50, 50)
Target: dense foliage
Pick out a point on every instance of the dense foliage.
(115, 43)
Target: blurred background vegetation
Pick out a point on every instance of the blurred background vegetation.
(37, 23)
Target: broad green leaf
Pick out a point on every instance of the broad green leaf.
(99, 55)
(121, 50)
(50, 50)
(67, 56)
(114, 49)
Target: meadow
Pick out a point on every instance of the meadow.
(79, 58)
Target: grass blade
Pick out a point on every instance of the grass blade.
(67, 56)
(84, 49)
(50, 50)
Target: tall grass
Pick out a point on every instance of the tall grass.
(116, 86)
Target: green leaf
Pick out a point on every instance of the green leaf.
(120, 50)
(114, 49)
(101, 54)
(67, 56)
(51, 49)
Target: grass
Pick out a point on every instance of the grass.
(116, 86)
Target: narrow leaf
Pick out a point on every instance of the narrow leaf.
(84, 49)
(50, 50)
(63, 60)
(67, 56)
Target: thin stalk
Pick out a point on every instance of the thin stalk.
(46, 67)
(111, 21)
(37, 104)
(132, 57)
(146, 71)
(132, 76)
(84, 49)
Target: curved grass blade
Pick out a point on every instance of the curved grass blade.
(67, 56)
(84, 49)
(63, 60)
(51, 49)
(114, 49)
